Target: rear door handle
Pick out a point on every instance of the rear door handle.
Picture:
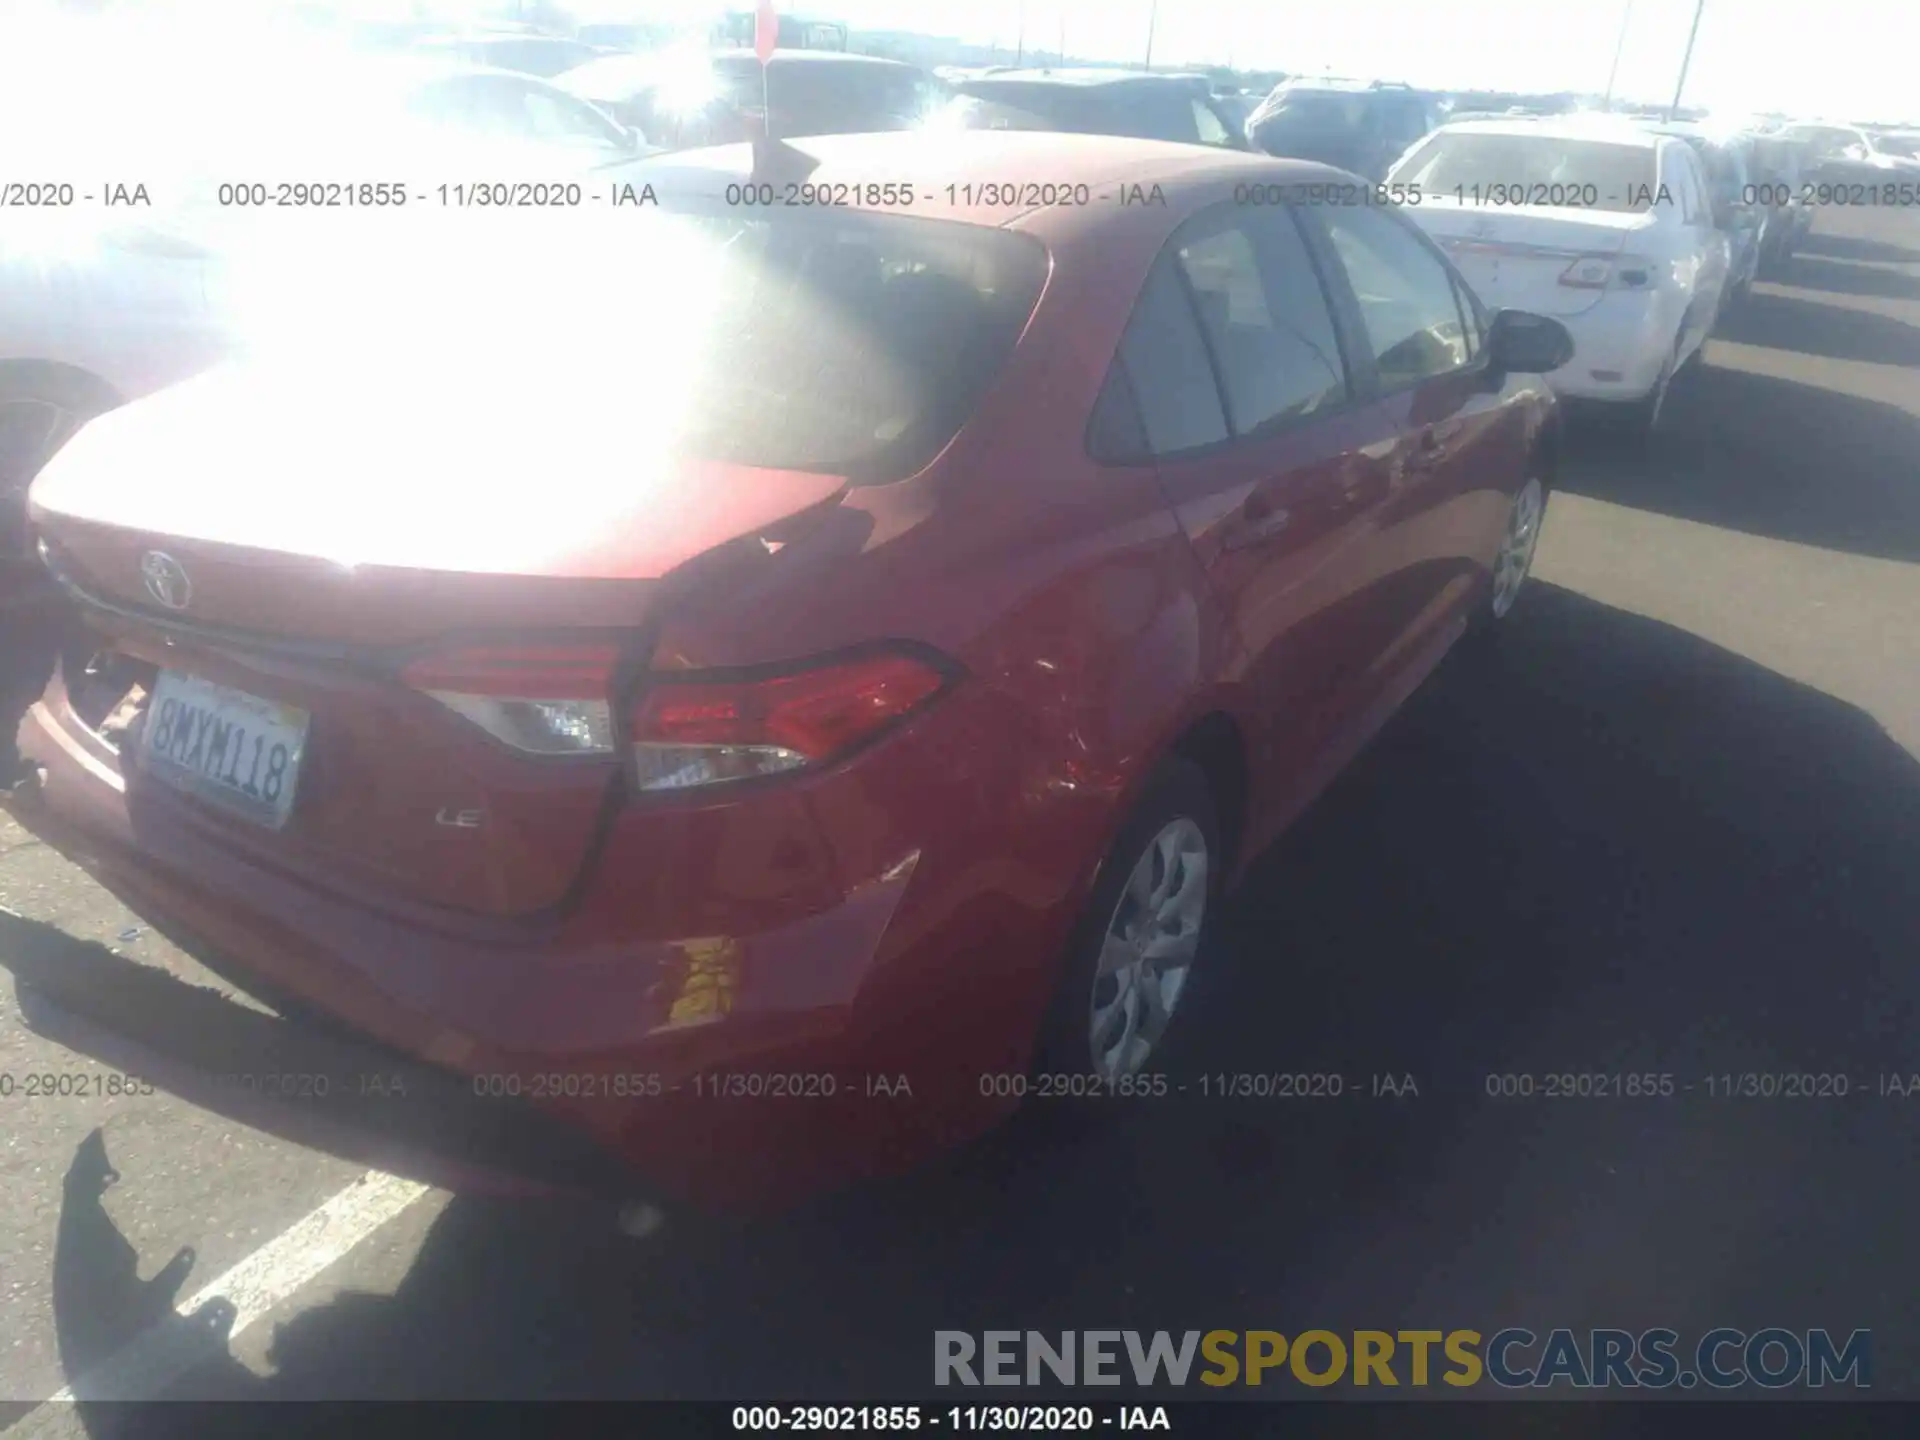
(1431, 445)
(1259, 520)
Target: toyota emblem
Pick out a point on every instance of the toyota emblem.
(166, 579)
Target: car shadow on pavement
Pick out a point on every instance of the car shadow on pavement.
(1839, 277)
(1766, 456)
(1857, 247)
(1784, 322)
(1600, 847)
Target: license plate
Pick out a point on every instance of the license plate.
(229, 748)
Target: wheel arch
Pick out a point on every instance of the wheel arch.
(1216, 746)
(22, 374)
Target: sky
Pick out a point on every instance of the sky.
(1839, 58)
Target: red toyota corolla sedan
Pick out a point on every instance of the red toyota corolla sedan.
(751, 738)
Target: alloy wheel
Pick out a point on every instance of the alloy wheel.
(1515, 560)
(1149, 949)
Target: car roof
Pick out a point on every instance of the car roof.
(643, 69)
(1084, 76)
(1611, 129)
(982, 165)
(742, 55)
(415, 71)
(1336, 84)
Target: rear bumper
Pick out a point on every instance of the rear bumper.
(1618, 348)
(740, 1064)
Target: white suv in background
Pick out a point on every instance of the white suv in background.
(1604, 226)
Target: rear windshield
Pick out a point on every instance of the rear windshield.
(827, 97)
(841, 341)
(534, 55)
(857, 345)
(847, 343)
(1621, 177)
(1315, 111)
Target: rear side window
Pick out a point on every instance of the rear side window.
(1683, 171)
(1265, 318)
(1115, 434)
(1166, 360)
(1212, 131)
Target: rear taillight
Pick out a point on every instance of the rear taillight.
(545, 700)
(1590, 272)
(695, 731)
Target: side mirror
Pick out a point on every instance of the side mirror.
(1522, 343)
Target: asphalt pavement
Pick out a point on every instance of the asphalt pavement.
(1667, 825)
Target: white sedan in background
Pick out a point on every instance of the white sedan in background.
(1604, 226)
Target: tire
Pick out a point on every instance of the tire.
(41, 407)
(1645, 415)
(1514, 562)
(1175, 816)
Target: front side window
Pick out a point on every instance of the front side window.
(1406, 296)
(1472, 314)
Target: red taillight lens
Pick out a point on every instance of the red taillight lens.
(696, 732)
(545, 700)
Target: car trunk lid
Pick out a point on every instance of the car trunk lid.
(273, 617)
(1516, 257)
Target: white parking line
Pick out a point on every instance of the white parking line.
(156, 1358)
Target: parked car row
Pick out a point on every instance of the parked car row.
(682, 100)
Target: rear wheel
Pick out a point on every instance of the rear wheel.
(1645, 416)
(1128, 975)
(1514, 563)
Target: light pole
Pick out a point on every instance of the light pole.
(1626, 15)
(1685, 60)
(1020, 42)
(1153, 14)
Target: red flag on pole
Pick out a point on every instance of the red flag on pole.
(766, 31)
